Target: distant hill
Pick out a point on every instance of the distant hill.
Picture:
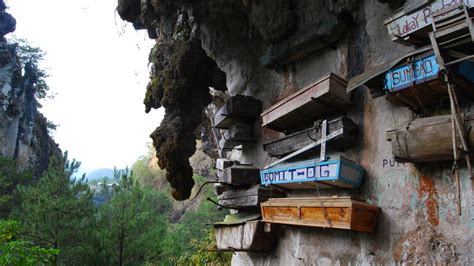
(100, 173)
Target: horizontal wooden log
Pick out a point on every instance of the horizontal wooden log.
(249, 236)
(300, 139)
(238, 109)
(240, 175)
(326, 212)
(427, 139)
(300, 110)
(248, 197)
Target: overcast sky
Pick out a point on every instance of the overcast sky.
(99, 70)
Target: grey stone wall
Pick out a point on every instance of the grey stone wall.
(418, 222)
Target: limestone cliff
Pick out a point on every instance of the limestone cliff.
(269, 49)
(23, 129)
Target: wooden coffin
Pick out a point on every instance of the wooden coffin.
(236, 135)
(245, 198)
(288, 144)
(249, 236)
(238, 109)
(240, 175)
(326, 212)
(427, 139)
(411, 25)
(300, 110)
(335, 172)
(223, 163)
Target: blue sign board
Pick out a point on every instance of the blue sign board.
(417, 72)
(338, 171)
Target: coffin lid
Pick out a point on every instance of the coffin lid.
(296, 94)
(375, 77)
(240, 218)
(334, 201)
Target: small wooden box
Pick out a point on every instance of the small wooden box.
(326, 212)
(300, 110)
(239, 175)
(238, 109)
(335, 172)
(249, 236)
(346, 140)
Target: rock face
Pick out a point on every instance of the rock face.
(418, 222)
(23, 130)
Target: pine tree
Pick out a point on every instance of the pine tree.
(57, 211)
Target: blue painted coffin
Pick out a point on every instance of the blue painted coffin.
(335, 172)
(420, 71)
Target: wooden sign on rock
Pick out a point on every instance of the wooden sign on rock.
(335, 172)
(325, 212)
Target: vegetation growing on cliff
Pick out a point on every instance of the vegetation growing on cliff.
(56, 217)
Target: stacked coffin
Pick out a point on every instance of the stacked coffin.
(239, 190)
(299, 118)
(237, 117)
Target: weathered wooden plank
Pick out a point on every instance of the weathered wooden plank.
(236, 135)
(248, 197)
(336, 212)
(300, 110)
(427, 139)
(411, 27)
(249, 236)
(300, 139)
(238, 109)
(240, 175)
(335, 172)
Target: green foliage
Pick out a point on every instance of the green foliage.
(132, 222)
(57, 211)
(10, 177)
(19, 252)
(30, 58)
(205, 252)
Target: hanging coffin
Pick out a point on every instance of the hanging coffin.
(238, 109)
(237, 135)
(344, 129)
(419, 84)
(300, 110)
(243, 232)
(335, 172)
(247, 198)
(326, 212)
(427, 139)
(239, 175)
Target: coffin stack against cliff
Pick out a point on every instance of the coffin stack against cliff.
(237, 117)
(326, 212)
(427, 139)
